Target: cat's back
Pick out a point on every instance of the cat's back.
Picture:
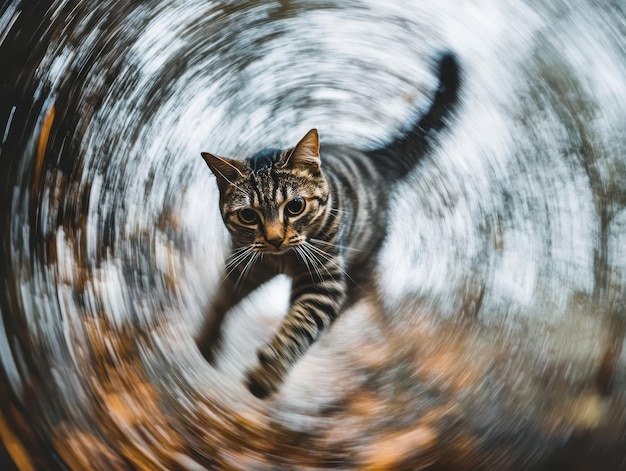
(353, 166)
(360, 195)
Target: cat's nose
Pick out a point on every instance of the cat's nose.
(276, 241)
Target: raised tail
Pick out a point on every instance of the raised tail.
(402, 154)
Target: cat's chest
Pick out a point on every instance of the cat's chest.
(287, 263)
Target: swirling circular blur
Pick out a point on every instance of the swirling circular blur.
(496, 337)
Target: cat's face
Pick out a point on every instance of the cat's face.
(275, 204)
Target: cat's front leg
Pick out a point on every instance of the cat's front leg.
(235, 286)
(316, 300)
(209, 340)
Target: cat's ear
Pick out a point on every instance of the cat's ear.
(225, 170)
(306, 154)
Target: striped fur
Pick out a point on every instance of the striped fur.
(327, 244)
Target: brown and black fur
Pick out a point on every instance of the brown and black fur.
(328, 249)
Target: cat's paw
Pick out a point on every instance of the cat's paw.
(261, 382)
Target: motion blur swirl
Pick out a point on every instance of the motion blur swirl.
(495, 338)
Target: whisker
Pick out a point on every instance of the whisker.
(239, 249)
(237, 255)
(319, 241)
(232, 265)
(300, 252)
(250, 266)
(331, 259)
(247, 268)
(236, 261)
(316, 251)
(317, 263)
(325, 255)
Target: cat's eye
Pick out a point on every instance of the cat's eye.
(248, 216)
(295, 206)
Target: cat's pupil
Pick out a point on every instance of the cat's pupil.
(247, 216)
(295, 206)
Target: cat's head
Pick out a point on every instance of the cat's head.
(274, 200)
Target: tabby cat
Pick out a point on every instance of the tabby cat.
(320, 224)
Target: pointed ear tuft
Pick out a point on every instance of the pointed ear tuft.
(225, 170)
(306, 154)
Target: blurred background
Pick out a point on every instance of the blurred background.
(495, 337)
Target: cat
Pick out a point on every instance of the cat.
(320, 220)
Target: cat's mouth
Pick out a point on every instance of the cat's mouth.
(278, 250)
(280, 247)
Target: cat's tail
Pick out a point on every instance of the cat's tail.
(402, 154)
